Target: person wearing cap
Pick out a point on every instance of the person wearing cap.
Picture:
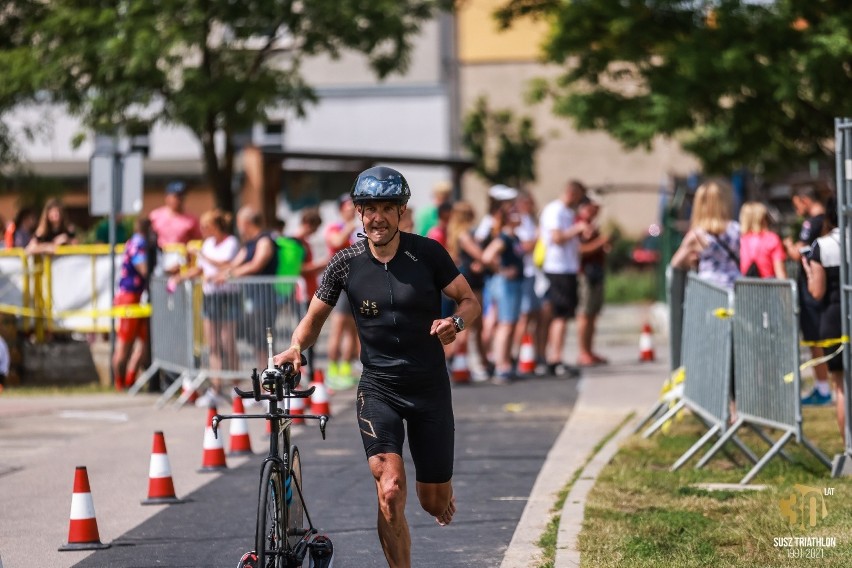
(394, 282)
(174, 225)
(561, 230)
(499, 197)
(428, 216)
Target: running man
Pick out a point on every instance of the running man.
(394, 282)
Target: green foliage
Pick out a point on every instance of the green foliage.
(619, 256)
(213, 66)
(502, 147)
(738, 83)
(20, 73)
(630, 286)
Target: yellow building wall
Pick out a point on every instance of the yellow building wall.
(480, 40)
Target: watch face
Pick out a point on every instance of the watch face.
(459, 323)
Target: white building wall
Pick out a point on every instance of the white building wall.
(373, 125)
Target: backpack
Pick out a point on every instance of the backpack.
(539, 253)
(290, 258)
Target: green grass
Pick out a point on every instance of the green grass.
(547, 541)
(629, 286)
(640, 514)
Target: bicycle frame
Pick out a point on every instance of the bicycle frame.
(280, 384)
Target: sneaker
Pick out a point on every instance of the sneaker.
(210, 399)
(502, 378)
(562, 370)
(815, 398)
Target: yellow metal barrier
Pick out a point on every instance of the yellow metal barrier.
(38, 312)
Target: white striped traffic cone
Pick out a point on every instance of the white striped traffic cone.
(319, 400)
(214, 451)
(526, 356)
(83, 528)
(646, 344)
(240, 443)
(186, 385)
(459, 370)
(297, 408)
(161, 487)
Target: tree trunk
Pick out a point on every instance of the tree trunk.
(217, 174)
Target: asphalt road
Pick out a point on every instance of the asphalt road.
(503, 434)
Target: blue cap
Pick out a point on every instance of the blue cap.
(175, 188)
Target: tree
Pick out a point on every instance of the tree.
(213, 66)
(20, 74)
(503, 147)
(739, 83)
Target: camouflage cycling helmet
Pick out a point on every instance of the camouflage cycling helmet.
(380, 184)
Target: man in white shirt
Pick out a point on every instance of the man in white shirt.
(561, 234)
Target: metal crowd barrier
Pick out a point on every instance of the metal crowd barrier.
(706, 358)
(675, 295)
(842, 465)
(217, 331)
(766, 367)
(675, 290)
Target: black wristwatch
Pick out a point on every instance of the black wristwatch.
(458, 323)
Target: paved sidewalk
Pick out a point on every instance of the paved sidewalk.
(608, 395)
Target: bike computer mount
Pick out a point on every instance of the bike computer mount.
(280, 383)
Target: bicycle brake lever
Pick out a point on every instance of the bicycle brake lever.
(322, 422)
(215, 425)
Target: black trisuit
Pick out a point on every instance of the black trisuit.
(405, 374)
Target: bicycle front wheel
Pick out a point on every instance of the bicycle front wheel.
(271, 518)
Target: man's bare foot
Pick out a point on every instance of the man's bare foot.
(447, 516)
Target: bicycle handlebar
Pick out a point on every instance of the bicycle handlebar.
(280, 381)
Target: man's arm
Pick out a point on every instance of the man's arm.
(305, 334)
(468, 308)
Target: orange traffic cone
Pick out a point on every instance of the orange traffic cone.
(161, 488)
(319, 400)
(297, 408)
(185, 385)
(83, 528)
(459, 369)
(240, 443)
(214, 451)
(646, 344)
(526, 356)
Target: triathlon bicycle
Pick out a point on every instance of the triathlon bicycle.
(281, 538)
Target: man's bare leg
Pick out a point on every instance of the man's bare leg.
(438, 500)
(389, 472)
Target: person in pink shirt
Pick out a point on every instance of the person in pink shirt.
(173, 225)
(760, 248)
(439, 231)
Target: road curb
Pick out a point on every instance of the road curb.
(573, 510)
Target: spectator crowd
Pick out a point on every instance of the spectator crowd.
(532, 271)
